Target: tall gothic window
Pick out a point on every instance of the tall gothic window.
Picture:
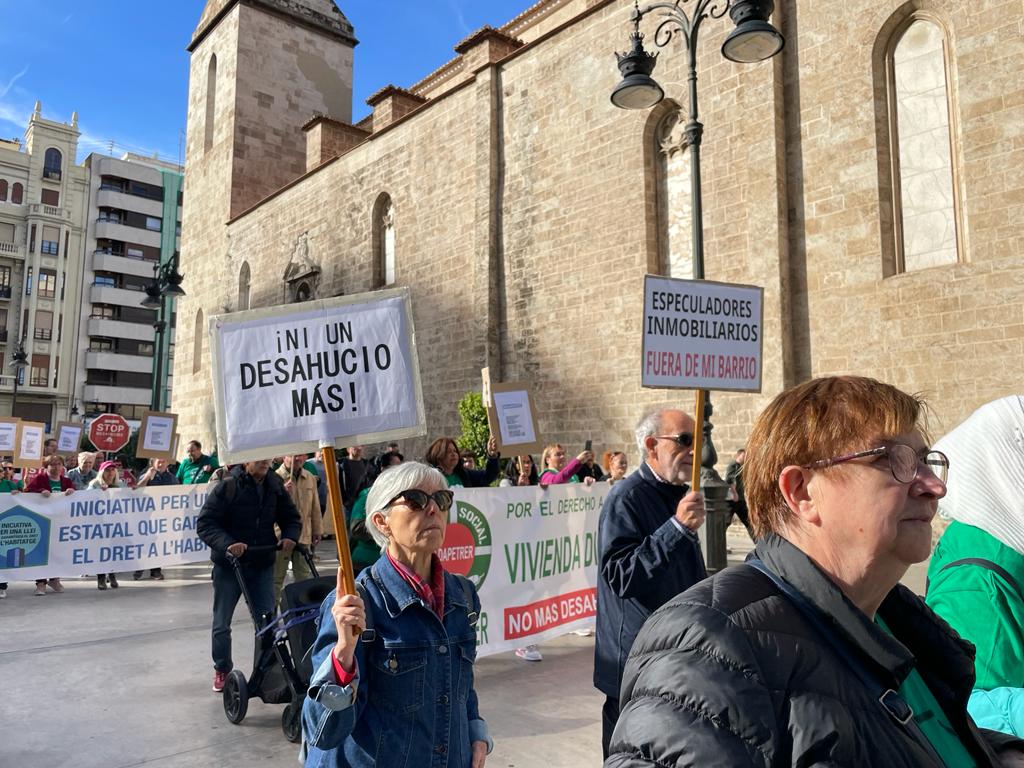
(52, 160)
(17, 193)
(384, 241)
(211, 103)
(197, 343)
(922, 177)
(243, 286)
(673, 201)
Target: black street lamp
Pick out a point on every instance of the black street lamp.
(166, 284)
(754, 39)
(19, 359)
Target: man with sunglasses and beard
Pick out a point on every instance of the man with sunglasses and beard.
(648, 547)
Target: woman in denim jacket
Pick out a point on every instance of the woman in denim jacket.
(400, 695)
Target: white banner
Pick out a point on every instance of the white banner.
(286, 378)
(700, 334)
(92, 532)
(532, 554)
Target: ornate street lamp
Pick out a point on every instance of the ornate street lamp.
(19, 360)
(754, 39)
(166, 284)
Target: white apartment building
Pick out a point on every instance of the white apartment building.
(43, 198)
(133, 226)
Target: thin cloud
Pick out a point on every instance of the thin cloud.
(10, 84)
(463, 26)
(67, 18)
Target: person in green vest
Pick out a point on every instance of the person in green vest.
(976, 574)
(196, 467)
(7, 485)
(366, 551)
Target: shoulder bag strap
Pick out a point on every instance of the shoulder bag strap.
(890, 700)
(989, 566)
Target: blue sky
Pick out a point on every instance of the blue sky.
(122, 64)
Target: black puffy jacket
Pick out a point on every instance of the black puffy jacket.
(235, 511)
(731, 673)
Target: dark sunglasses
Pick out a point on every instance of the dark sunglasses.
(418, 500)
(683, 439)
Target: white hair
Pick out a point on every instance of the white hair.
(390, 483)
(648, 426)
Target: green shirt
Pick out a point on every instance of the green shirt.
(191, 472)
(931, 719)
(6, 486)
(54, 484)
(454, 481)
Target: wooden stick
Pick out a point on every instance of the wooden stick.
(698, 441)
(338, 515)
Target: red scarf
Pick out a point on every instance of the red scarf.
(432, 593)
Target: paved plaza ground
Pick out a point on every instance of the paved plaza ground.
(119, 679)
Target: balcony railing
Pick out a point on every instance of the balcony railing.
(3, 335)
(5, 291)
(51, 173)
(8, 247)
(43, 334)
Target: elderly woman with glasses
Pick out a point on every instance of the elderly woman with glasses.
(401, 693)
(812, 653)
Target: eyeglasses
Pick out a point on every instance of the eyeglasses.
(904, 462)
(683, 439)
(418, 500)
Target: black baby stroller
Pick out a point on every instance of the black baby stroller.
(281, 669)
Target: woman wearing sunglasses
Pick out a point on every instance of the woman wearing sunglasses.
(812, 653)
(402, 692)
(976, 575)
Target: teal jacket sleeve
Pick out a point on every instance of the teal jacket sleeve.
(1001, 709)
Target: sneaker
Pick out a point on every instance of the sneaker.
(588, 632)
(156, 574)
(113, 581)
(529, 653)
(55, 585)
(137, 575)
(101, 582)
(219, 678)
(3, 594)
(40, 590)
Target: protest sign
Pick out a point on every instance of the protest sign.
(99, 531)
(156, 436)
(69, 436)
(29, 449)
(512, 418)
(343, 371)
(8, 436)
(699, 334)
(532, 555)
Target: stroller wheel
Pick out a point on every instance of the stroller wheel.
(291, 722)
(236, 697)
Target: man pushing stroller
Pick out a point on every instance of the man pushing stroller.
(240, 512)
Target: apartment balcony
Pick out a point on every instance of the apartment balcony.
(98, 393)
(121, 297)
(5, 293)
(12, 250)
(122, 265)
(112, 230)
(52, 174)
(111, 198)
(48, 211)
(113, 361)
(119, 329)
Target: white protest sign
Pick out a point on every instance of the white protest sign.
(90, 531)
(700, 334)
(8, 435)
(69, 436)
(342, 370)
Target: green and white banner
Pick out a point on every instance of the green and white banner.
(531, 552)
(92, 532)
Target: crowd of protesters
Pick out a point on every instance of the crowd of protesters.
(810, 653)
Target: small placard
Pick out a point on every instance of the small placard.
(157, 436)
(69, 437)
(513, 420)
(9, 436)
(29, 451)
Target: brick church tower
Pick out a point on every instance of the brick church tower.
(259, 70)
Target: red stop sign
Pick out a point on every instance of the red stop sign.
(109, 432)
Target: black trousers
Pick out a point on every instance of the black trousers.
(609, 716)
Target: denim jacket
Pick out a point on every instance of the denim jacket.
(412, 703)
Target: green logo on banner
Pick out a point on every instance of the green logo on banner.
(467, 543)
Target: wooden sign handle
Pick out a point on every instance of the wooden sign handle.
(698, 441)
(348, 576)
